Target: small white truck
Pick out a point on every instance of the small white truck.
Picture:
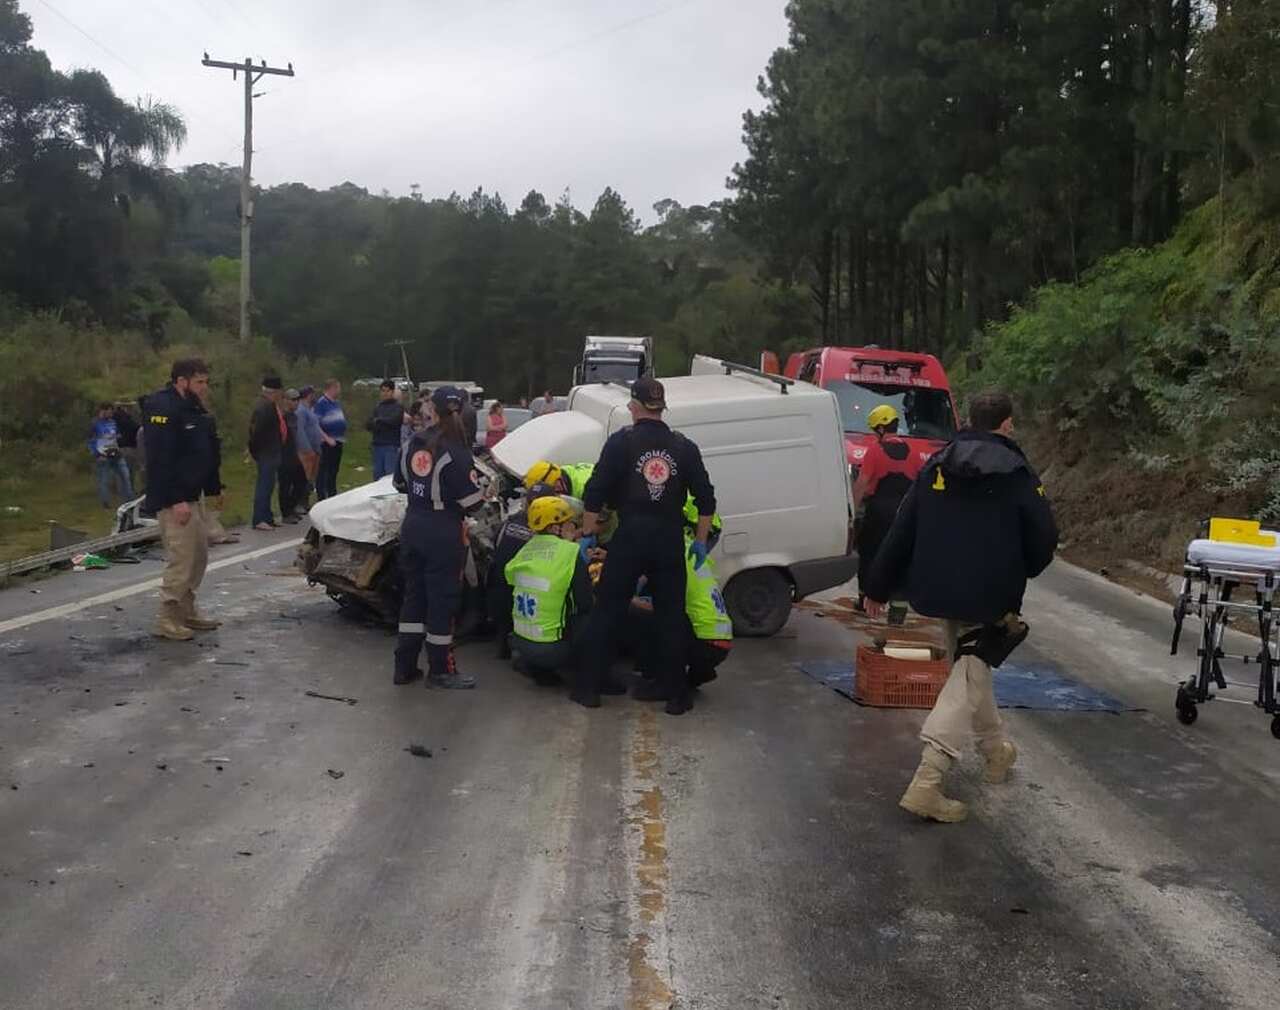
(775, 451)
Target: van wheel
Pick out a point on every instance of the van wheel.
(759, 602)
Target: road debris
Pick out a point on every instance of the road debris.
(162, 767)
(418, 750)
(331, 697)
(243, 852)
(333, 773)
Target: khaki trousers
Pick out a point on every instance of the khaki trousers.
(186, 548)
(966, 708)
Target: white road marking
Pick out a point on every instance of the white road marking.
(65, 609)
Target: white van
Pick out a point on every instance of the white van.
(775, 451)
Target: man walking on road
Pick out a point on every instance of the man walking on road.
(267, 435)
(333, 433)
(644, 473)
(385, 424)
(971, 530)
(182, 467)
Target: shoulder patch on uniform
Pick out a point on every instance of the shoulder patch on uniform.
(1040, 490)
(939, 482)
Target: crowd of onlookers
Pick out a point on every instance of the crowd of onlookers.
(296, 438)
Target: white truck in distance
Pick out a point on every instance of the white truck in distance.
(775, 451)
(614, 359)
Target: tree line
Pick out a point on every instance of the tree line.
(923, 164)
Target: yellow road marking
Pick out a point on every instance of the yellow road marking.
(649, 988)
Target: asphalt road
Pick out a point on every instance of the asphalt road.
(171, 835)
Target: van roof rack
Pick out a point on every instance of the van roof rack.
(783, 382)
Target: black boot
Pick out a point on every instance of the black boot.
(680, 704)
(406, 676)
(442, 670)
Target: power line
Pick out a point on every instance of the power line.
(101, 45)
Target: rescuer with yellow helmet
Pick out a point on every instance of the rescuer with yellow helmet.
(550, 586)
(887, 471)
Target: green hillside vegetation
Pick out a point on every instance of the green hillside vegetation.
(1152, 388)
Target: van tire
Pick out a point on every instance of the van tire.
(759, 602)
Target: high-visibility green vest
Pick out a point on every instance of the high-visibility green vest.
(578, 475)
(704, 603)
(691, 515)
(541, 578)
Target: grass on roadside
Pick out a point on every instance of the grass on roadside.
(64, 490)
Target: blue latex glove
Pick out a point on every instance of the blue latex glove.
(585, 544)
(698, 551)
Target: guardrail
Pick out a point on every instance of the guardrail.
(141, 534)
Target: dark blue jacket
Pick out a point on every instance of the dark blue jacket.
(649, 469)
(438, 475)
(972, 529)
(183, 450)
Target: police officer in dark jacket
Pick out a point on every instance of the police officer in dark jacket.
(437, 472)
(183, 456)
(644, 473)
(974, 527)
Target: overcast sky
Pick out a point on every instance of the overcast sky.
(642, 95)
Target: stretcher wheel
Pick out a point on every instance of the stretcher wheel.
(1187, 711)
(1275, 727)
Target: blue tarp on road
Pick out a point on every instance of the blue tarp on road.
(1039, 686)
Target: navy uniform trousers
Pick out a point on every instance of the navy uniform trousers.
(432, 552)
(653, 547)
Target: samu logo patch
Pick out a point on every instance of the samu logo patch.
(657, 468)
(527, 605)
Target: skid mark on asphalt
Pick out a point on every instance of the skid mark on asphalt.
(648, 949)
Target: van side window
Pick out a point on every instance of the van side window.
(809, 370)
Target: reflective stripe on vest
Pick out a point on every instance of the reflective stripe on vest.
(704, 603)
(541, 576)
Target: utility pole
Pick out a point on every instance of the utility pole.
(252, 75)
(404, 358)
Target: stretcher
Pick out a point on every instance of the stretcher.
(1231, 572)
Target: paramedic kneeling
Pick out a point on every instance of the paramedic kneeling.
(971, 530)
(437, 473)
(644, 473)
(551, 590)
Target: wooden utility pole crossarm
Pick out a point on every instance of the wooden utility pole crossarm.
(252, 74)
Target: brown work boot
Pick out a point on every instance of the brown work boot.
(169, 624)
(1000, 760)
(193, 619)
(925, 798)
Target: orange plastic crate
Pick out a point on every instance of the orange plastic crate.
(884, 682)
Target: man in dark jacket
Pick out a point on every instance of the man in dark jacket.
(385, 423)
(183, 454)
(973, 528)
(267, 434)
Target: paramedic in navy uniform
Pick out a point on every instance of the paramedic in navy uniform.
(438, 474)
(644, 474)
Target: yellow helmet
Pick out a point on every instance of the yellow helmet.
(548, 511)
(881, 417)
(542, 472)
